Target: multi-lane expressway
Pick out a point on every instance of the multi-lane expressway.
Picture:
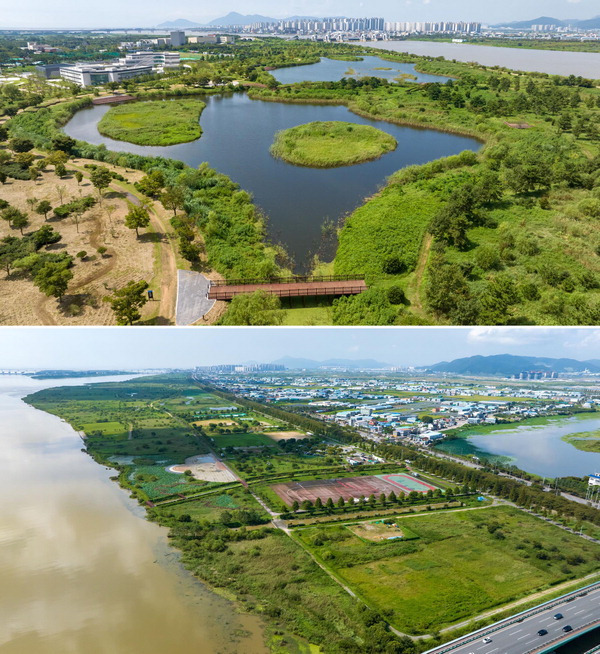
(519, 634)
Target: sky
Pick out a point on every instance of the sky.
(147, 347)
(146, 13)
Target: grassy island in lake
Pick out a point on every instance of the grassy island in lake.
(161, 122)
(588, 441)
(330, 144)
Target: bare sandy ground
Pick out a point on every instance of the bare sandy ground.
(205, 467)
(127, 258)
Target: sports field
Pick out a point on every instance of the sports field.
(350, 487)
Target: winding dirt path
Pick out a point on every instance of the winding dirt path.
(414, 288)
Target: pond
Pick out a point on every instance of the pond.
(535, 448)
(237, 135)
(82, 570)
(332, 70)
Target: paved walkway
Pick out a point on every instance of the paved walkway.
(192, 300)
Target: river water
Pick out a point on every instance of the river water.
(586, 64)
(81, 570)
(238, 133)
(538, 449)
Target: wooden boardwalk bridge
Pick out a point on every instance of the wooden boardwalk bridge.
(333, 285)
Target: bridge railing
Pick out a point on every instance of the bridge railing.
(295, 279)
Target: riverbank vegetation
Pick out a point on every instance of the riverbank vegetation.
(164, 122)
(331, 144)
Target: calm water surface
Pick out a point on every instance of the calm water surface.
(540, 450)
(586, 64)
(332, 70)
(81, 570)
(238, 133)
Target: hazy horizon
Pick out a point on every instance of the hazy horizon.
(66, 14)
(143, 347)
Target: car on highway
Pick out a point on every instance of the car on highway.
(542, 632)
(558, 616)
(567, 628)
(487, 640)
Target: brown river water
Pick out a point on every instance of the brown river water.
(81, 570)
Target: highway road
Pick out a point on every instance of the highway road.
(512, 637)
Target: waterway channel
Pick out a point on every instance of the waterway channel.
(297, 201)
(81, 570)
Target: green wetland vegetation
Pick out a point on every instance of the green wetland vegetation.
(586, 441)
(504, 236)
(331, 144)
(165, 122)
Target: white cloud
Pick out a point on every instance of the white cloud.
(508, 335)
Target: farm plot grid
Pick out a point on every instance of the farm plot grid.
(349, 488)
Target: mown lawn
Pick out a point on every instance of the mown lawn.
(160, 122)
(463, 564)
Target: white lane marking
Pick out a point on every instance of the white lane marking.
(531, 641)
(512, 633)
(525, 636)
(578, 612)
(493, 650)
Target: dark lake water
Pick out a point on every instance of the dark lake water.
(586, 64)
(538, 449)
(332, 70)
(237, 135)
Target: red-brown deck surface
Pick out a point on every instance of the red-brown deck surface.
(293, 289)
(112, 99)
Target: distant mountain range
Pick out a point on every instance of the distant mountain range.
(588, 24)
(310, 364)
(233, 18)
(180, 23)
(509, 364)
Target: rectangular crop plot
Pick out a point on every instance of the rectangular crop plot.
(349, 487)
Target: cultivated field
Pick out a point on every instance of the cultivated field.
(286, 435)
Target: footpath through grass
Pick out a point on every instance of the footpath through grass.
(331, 144)
(461, 564)
(160, 122)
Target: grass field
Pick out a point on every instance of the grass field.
(462, 564)
(242, 440)
(106, 429)
(331, 144)
(160, 122)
